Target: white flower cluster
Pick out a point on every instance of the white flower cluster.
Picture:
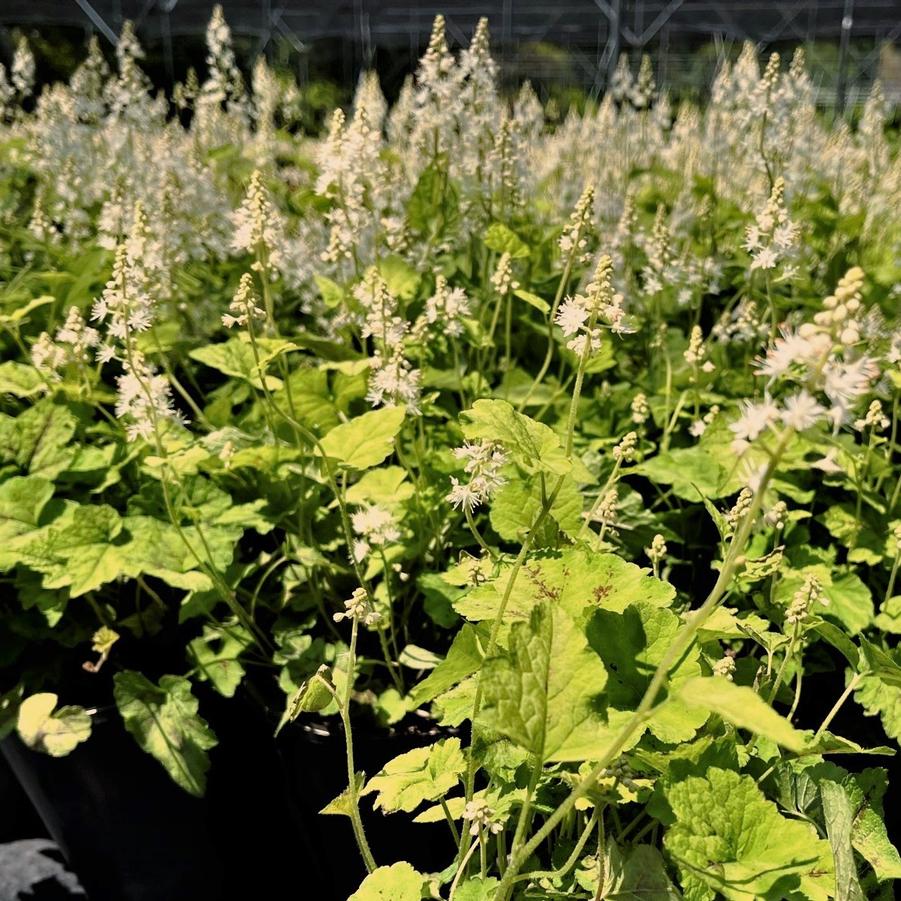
(573, 240)
(394, 382)
(484, 461)
(258, 227)
(578, 316)
(604, 510)
(103, 141)
(224, 83)
(392, 379)
(502, 279)
(696, 352)
(353, 176)
(144, 398)
(480, 815)
(126, 308)
(23, 69)
(773, 238)
(376, 527)
(625, 451)
(875, 419)
(72, 345)
(640, 408)
(823, 357)
(742, 324)
(656, 553)
(453, 109)
(625, 88)
(358, 607)
(447, 308)
(699, 426)
(658, 248)
(740, 508)
(803, 600)
(244, 308)
(724, 667)
(104, 138)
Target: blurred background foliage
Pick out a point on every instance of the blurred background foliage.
(567, 50)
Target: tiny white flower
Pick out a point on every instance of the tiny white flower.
(697, 428)
(572, 314)
(765, 258)
(802, 411)
(754, 421)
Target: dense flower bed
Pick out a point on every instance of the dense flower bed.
(580, 443)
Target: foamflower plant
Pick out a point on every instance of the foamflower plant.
(564, 452)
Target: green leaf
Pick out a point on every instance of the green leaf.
(342, 806)
(531, 444)
(728, 623)
(839, 821)
(22, 499)
(455, 706)
(21, 312)
(37, 439)
(875, 696)
(164, 721)
(19, 379)
(640, 875)
(433, 206)
(386, 485)
(365, 441)
(216, 657)
(477, 889)
(202, 501)
(516, 506)
(414, 657)
(423, 774)
(80, 550)
(501, 239)
(545, 692)
(312, 399)
(438, 598)
(742, 707)
(157, 549)
(400, 277)
(581, 580)
(315, 694)
(728, 838)
(235, 358)
(632, 644)
(399, 882)
(55, 732)
(800, 786)
(391, 707)
(889, 617)
(869, 835)
(881, 664)
(533, 300)
(332, 293)
(850, 601)
(863, 543)
(693, 472)
(834, 636)
(829, 743)
(463, 659)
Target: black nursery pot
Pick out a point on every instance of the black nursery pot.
(316, 767)
(130, 834)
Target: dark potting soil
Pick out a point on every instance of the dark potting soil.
(130, 834)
